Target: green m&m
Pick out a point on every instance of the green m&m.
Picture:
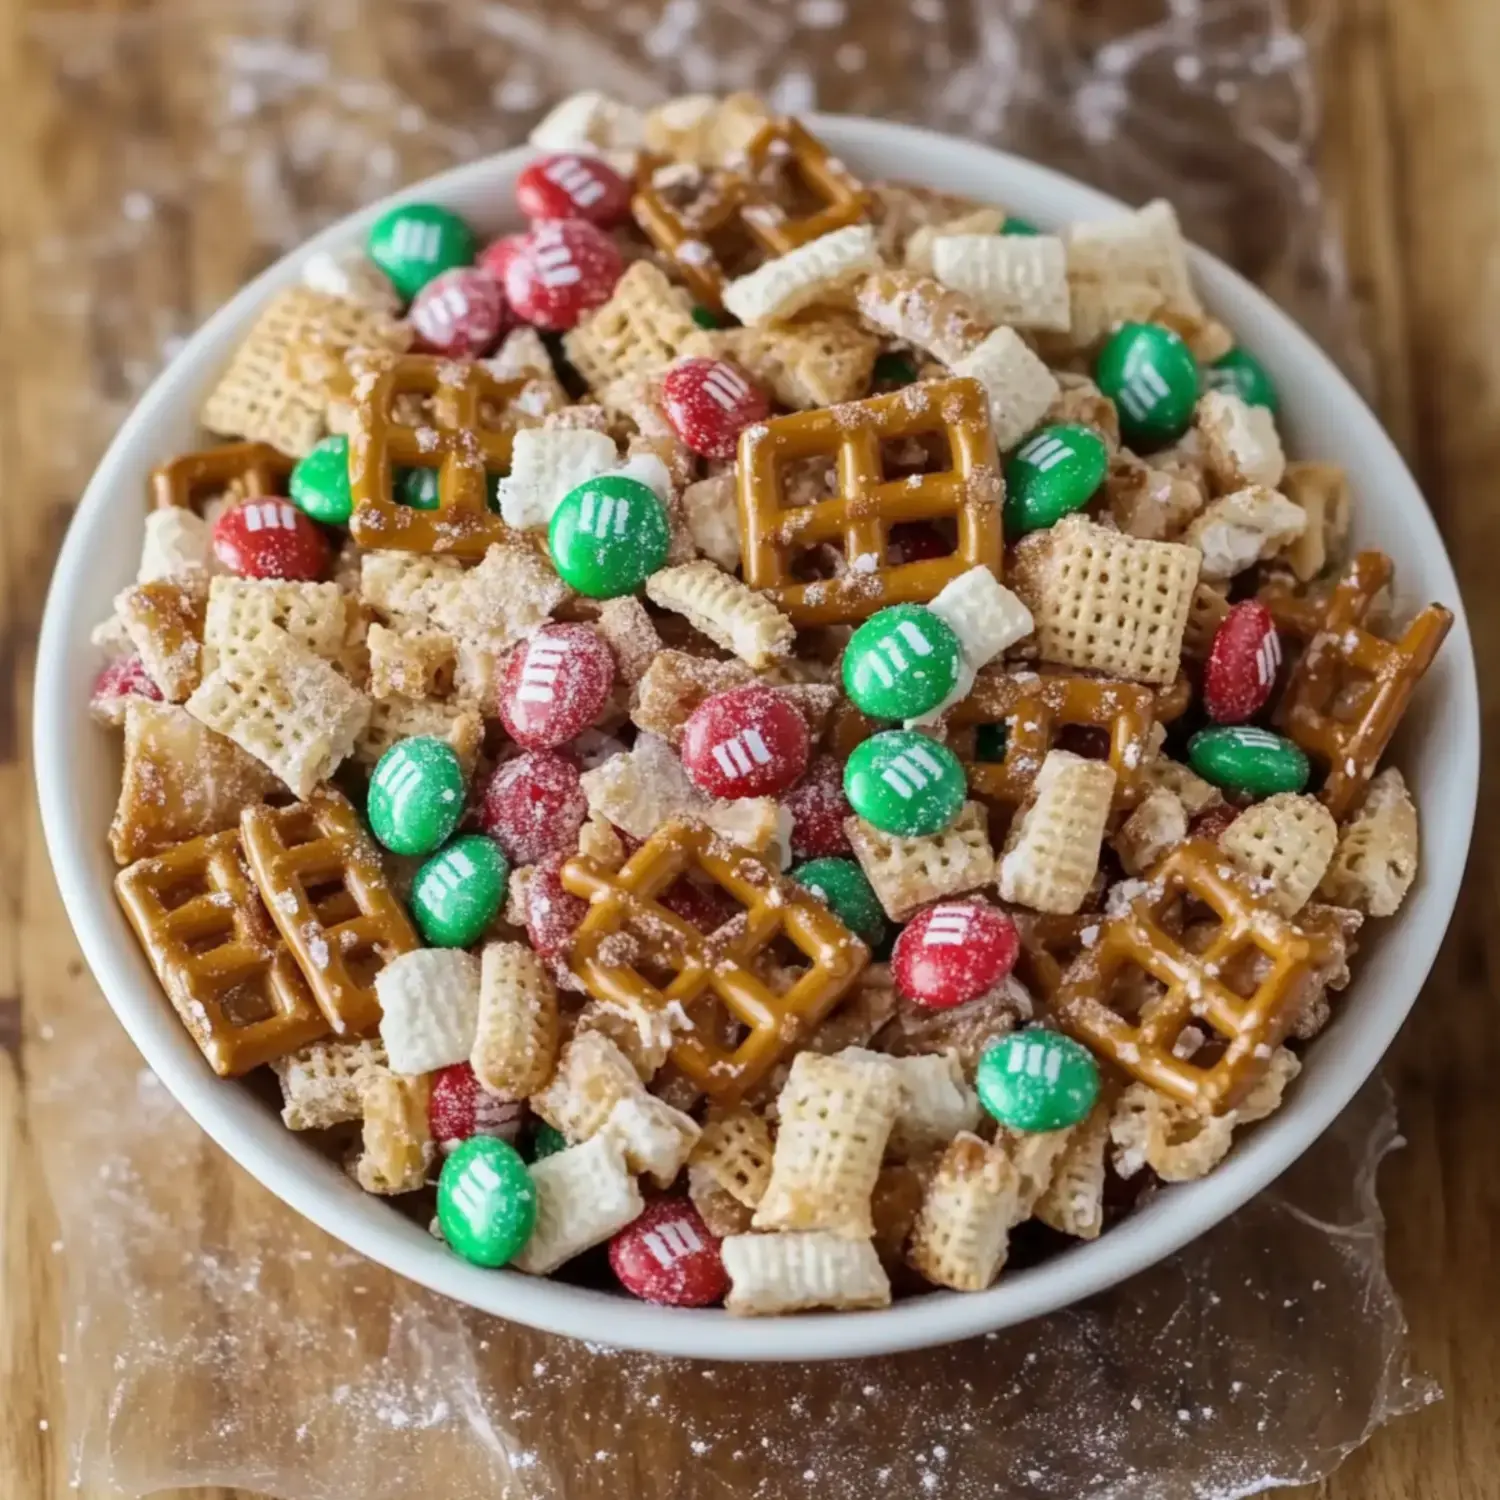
(902, 662)
(706, 317)
(990, 741)
(459, 891)
(608, 536)
(1243, 758)
(417, 487)
(416, 795)
(1015, 225)
(904, 783)
(486, 1201)
(1151, 376)
(1240, 373)
(1056, 471)
(894, 369)
(1037, 1080)
(418, 241)
(320, 482)
(547, 1141)
(848, 894)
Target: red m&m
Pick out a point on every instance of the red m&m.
(268, 537)
(534, 806)
(818, 807)
(459, 1107)
(669, 1256)
(562, 269)
(1242, 663)
(555, 685)
(709, 403)
(748, 742)
(460, 314)
(954, 952)
(552, 911)
(571, 186)
(124, 677)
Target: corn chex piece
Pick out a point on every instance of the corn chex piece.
(1146, 501)
(398, 1149)
(1021, 388)
(545, 463)
(1378, 850)
(516, 1028)
(1073, 1201)
(642, 327)
(322, 1084)
(655, 1137)
(591, 1077)
(1019, 280)
(1238, 530)
(403, 588)
(178, 543)
(711, 512)
(286, 707)
(584, 1194)
(728, 612)
(1052, 849)
(836, 1114)
(1107, 602)
(1206, 612)
(962, 1230)
(630, 635)
(734, 1154)
(1239, 441)
(936, 1102)
(907, 873)
(1322, 490)
(410, 663)
(1285, 844)
(246, 611)
(1195, 794)
(507, 597)
(917, 255)
(1129, 267)
(819, 358)
(646, 1037)
(675, 684)
(164, 622)
(819, 271)
(393, 719)
(784, 1273)
(429, 1004)
(1159, 823)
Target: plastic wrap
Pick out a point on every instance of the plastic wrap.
(215, 1338)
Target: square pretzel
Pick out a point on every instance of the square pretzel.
(327, 894)
(859, 517)
(715, 967)
(1034, 707)
(1338, 651)
(231, 979)
(1251, 1026)
(191, 479)
(454, 439)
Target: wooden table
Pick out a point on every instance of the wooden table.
(1411, 154)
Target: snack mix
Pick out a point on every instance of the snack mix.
(781, 726)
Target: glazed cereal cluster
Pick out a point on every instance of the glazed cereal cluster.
(780, 725)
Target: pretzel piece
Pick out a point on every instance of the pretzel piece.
(907, 873)
(190, 480)
(1378, 851)
(429, 1008)
(771, 1274)
(584, 1195)
(728, 612)
(1285, 845)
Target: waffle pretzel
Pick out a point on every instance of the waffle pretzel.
(721, 968)
(454, 440)
(232, 981)
(1338, 644)
(736, 204)
(1034, 707)
(1194, 991)
(338, 932)
(867, 505)
(191, 479)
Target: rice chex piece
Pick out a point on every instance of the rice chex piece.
(1073, 1201)
(594, 124)
(936, 1103)
(819, 358)
(675, 684)
(1052, 849)
(818, 271)
(962, 1231)
(243, 611)
(917, 253)
(711, 513)
(178, 542)
(429, 1004)
(410, 663)
(591, 1077)
(516, 1029)
(771, 1274)
(655, 1137)
(403, 588)
(1019, 280)
(1129, 267)
(734, 1153)
(398, 1149)
(987, 618)
(322, 1084)
(545, 464)
(584, 1195)
(401, 718)
(907, 873)
(1239, 441)
(352, 275)
(835, 1116)
(1021, 388)
(1378, 851)
(1238, 530)
(730, 613)
(642, 327)
(1286, 842)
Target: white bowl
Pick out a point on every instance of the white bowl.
(78, 777)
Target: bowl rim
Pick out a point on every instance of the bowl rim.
(314, 1187)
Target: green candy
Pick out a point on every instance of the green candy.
(1240, 373)
(895, 369)
(706, 317)
(416, 795)
(904, 783)
(990, 741)
(1242, 758)
(1056, 471)
(457, 893)
(492, 491)
(486, 1201)
(417, 488)
(842, 886)
(547, 1141)
(608, 536)
(1036, 1080)
(418, 241)
(320, 482)
(902, 662)
(1151, 376)
(1014, 225)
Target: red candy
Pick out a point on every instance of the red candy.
(709, 403)
(818, 807)
(124, 677)
(707, 908)
(458, 1107)
(669, 1256)
(495, 258)
(954, 952)
(555, 685)
(533, 806)
(267, 537)
(552, 911)
(919, 541)
(1242, 663)
(460, 314)
(1210, 825)
(748, 742)
(570, 186)
(561, 270)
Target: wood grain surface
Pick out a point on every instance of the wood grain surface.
(1411, 157)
